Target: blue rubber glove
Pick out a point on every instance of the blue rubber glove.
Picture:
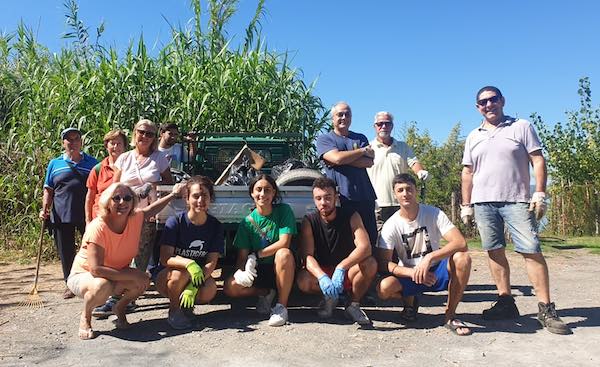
(338, 279)
(327, 287)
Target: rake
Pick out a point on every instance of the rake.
(34, 300)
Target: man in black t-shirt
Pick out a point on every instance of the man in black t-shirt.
(336, 253)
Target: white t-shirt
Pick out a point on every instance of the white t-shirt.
(388, 162)
(174, 155)
(414, 239)
(136, 174)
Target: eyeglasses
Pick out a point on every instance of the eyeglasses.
(380, 124)
(492, 99)
(342, 114)
(146, 133)
(119, 198)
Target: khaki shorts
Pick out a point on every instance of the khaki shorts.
(77, 280)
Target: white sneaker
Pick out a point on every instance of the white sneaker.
(326, 308)
(357, 315)
(279, 315)
(263, 306)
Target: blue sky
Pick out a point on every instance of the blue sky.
(421, 60)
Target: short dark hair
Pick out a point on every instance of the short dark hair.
(168, 126)
(270, 180)
(324, 183)
(488, 88)
(404, 178)
(203, 181)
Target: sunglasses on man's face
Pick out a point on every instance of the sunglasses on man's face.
(119, 198)
(380, 124)
(492, 99)
(146, 133)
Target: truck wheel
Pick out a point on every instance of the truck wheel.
(298, 177)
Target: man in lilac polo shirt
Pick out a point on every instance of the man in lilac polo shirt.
(347, 155)
(495, 189)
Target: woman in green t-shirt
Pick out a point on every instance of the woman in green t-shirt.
(265, 261)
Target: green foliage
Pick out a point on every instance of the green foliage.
(196, 80)
(574, 167)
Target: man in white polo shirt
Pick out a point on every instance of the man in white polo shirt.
(495, 189)
(392, 157)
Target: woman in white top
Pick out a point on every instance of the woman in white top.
(142, 168)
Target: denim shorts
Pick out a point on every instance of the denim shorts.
(491, 218)
(410, 288)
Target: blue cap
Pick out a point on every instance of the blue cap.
(64, 133)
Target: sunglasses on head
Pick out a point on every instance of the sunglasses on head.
(493, 99)
(146, 133)
(119, 198)
(380, 124)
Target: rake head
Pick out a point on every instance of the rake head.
(33, 300)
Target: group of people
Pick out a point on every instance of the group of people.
(379, 227)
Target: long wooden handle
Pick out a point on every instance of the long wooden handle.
(39, 254)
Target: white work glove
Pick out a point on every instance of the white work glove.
(538, 204)
(423, 175)
(466, 214)
(243, 278)
(251, 265)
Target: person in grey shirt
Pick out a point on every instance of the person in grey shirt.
(495, 190)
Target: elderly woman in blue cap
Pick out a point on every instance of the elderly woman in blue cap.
(64, 197)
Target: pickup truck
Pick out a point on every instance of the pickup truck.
(210, 155)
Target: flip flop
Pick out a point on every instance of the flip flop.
(454, 324)
(87, 334)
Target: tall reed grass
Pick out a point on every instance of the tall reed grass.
(197, 80)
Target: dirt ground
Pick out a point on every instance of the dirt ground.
(235, 335)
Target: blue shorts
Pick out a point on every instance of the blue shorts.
(410, 288)
(491, 217)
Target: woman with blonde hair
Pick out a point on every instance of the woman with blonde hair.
(101, 267)
(142, 168)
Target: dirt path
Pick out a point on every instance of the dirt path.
(235, 335)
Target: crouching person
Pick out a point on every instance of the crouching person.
(337, 253)
(265, 261)
(415, 232)
(110, 242)
(190, 247)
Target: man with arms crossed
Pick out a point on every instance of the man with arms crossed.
(336, 252)
(346, 155)
(415, 232)
(495, 189)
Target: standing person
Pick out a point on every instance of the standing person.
(64, 193)
(190, 247)
(101, 267)
(392, 157)
(346, 155)
(101, 176)
(142, 168)
(495, 189)
(265, 260)
(169, 133)
(415, 232)
(337, 254)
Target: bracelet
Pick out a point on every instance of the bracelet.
(394, 269)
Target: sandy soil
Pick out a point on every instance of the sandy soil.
(234, 335)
